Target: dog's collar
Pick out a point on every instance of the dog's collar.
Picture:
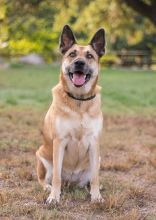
(80, 99)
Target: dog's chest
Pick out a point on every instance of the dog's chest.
(79, 128)
(79, 132)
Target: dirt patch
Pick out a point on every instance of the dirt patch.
(128, 171)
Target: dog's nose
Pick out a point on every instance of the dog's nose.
(79, 63)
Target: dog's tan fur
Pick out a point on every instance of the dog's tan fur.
(71, 132)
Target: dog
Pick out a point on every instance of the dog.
(74, 121)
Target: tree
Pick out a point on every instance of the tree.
(35, 25)
(145, 8)
(124, 27)
(28, 27)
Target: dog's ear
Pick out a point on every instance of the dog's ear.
(98, 42)
(67, 39)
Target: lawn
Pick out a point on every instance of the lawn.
(128, 147)
(123, 91)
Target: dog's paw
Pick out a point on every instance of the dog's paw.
(97, 198)
(54, 198)
(48, 188)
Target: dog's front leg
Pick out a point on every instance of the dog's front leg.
(58, 154)
(94, 159)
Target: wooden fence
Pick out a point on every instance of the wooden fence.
(128, 58)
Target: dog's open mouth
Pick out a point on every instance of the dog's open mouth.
(78, 78)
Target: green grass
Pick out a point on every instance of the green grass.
(123, 91)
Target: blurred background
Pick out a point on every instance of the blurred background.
(33, 27)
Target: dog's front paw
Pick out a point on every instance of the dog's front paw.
(48, 188)
(96, 198)
(54, 197)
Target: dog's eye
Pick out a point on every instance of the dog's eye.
(72, 54)
(89, 56)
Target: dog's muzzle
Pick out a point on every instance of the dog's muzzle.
(79, 74)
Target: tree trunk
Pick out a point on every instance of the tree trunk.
(147, 10)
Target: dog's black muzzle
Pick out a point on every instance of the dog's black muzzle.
(79, 73)
(79, 64)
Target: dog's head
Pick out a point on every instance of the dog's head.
(80, 64)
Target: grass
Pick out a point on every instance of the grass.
(124, 91)
(128, 148)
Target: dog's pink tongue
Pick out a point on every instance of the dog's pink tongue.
(78, 79)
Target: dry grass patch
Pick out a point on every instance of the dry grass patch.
(123, 163)
(127, 175)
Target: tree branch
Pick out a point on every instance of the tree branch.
(147, 10)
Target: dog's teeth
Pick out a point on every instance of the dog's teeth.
(70, 75)
(87, 75)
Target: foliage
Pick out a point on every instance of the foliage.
(29, 29)
(35, 25)
(144, 7)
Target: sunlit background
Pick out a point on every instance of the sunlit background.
(34, 26)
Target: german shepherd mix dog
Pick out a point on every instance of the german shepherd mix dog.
(73, 123)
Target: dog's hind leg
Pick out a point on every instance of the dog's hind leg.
(44, 171)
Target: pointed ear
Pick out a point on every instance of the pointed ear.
(67, 39)
(98, 42)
